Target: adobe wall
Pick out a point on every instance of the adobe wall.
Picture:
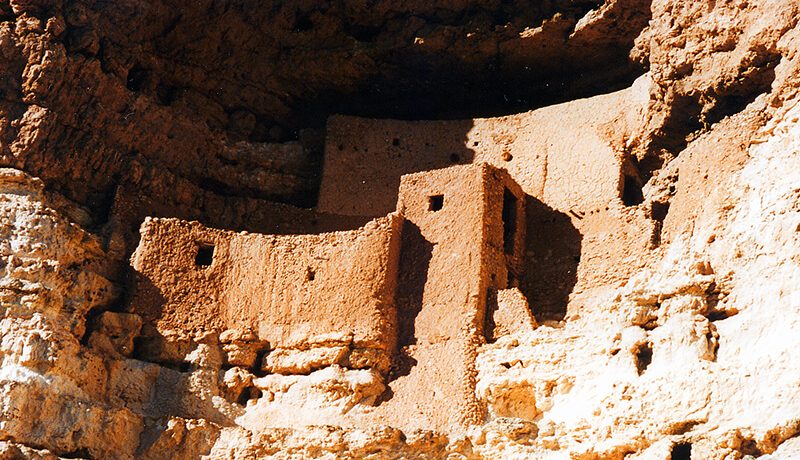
(365, 158)
(453, 253)
(300, 291)
(565, 168)
(573, 178)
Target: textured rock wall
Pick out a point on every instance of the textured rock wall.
(114, 111)
(56, 393)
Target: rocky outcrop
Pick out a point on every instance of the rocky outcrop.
(661, 280)
(57, 393)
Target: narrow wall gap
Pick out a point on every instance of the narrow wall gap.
(509, 221)
(488, 315)
(658, 213)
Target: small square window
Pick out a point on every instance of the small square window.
(205, 255)
(435, 202)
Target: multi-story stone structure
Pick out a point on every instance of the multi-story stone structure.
(405, 295)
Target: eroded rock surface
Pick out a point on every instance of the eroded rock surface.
(651, 311)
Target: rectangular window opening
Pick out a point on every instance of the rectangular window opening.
(435, 202)
(205, 254)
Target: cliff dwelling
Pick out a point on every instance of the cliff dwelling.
(405, 296)
(414, 256)
(464, 230)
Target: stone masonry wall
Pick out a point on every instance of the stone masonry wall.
(332, 290)
(452, 254)
(581, 192)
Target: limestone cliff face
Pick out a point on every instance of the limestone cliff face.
(667, 307)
